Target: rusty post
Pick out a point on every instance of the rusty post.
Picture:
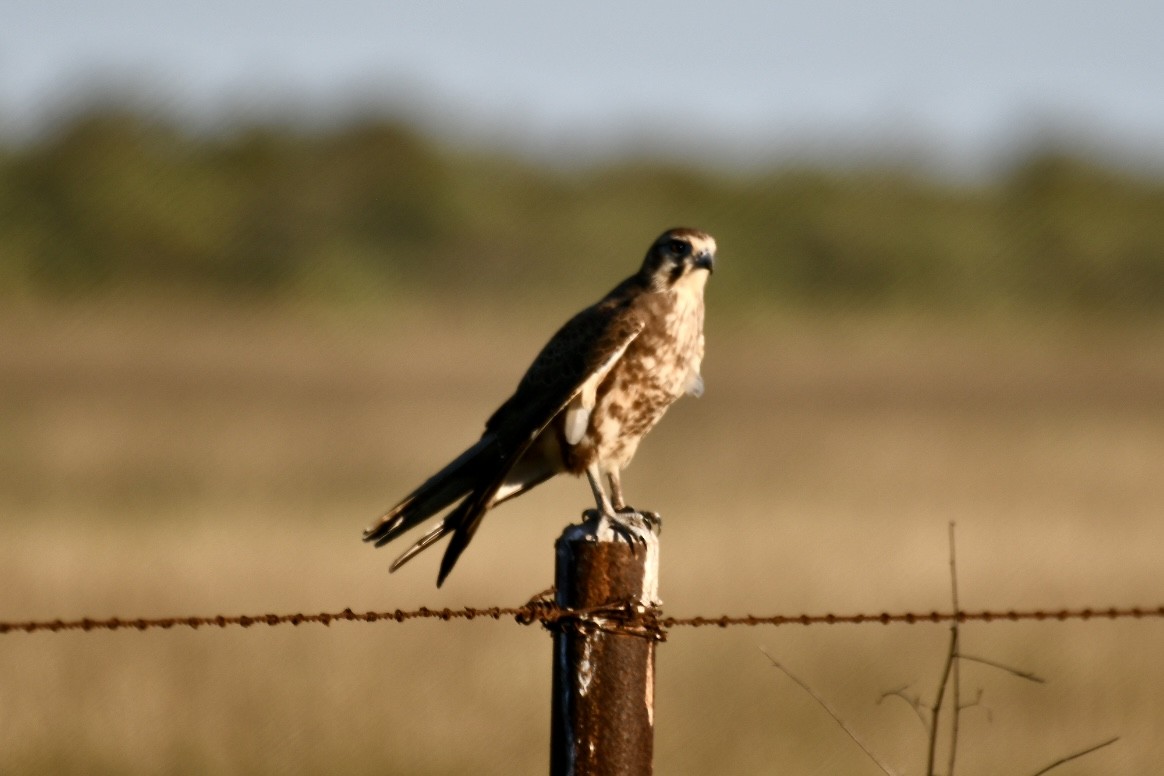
(603, 714)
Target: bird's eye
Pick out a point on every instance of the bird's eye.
(680, 247)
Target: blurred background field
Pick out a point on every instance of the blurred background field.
(229, 339)
(218, 458)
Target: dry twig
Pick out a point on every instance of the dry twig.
(936, 709)
(914, 702)
(1077, 755)
(832, 713)
(976, 703)
(1021, 674)
(947, 670)
(956, 645)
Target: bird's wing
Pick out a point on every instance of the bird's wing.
(569, 368)
(571, 364)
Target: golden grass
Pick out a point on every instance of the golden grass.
(186, 459)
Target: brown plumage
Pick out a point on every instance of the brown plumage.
(597, 387)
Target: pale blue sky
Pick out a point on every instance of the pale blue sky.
(958, 80)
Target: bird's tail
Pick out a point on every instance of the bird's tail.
(479, 463)
(483, 476)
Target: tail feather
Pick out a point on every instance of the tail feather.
(482, 477)
(528, 471)
(434, 535)
(463, 522)
(457, 479)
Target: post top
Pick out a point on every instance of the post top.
(626, 556)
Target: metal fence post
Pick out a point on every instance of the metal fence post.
(603, 715)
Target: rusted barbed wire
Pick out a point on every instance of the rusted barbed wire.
(910, 618)
(547, 613)
(524, 614)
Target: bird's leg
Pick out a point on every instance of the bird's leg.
(600, 499)
(616, 498)
(652, 519)
(606, 511)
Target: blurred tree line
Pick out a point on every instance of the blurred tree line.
(117, 198)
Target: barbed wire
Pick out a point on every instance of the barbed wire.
(547, 613)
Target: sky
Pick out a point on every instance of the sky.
(958, 82)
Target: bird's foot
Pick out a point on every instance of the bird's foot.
(651, 520)
(630, 525)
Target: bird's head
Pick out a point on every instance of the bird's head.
(680, 255)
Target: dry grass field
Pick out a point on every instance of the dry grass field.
(183, 458)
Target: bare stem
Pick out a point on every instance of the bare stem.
(936, 709)
(1021, 674)
(1079, 754)
(955, 702)
(976, 702)
(947, 670)
(955, 644)
(832, 713)
(953, 571)
(913, 701)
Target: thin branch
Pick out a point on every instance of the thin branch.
(836, 717)
(936, 709)
(956, 645)
(976, 702)
(1021, 674)
(914, 702)
(1077, 755)
(947, 669)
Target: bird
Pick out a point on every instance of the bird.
(596, 388)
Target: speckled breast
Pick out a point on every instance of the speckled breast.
(657, 368)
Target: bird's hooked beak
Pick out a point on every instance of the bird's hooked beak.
(705, 260)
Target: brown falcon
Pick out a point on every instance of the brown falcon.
(597, 387)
